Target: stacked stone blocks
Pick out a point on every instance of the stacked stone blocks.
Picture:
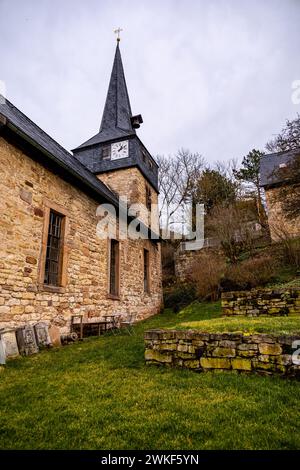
(192, 349)
(266, 302)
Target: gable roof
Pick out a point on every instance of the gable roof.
(116, 122)
(20, 124)
(270, 164)
(50, 152)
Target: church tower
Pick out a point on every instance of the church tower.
(115, 154)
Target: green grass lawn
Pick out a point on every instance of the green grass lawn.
(208, 318)
(98, 394)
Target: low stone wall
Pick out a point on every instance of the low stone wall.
(272, 302)
(192, 349)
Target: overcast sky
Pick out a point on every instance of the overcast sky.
(214, 76)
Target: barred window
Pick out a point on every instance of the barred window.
(54, 249)
(114, 268)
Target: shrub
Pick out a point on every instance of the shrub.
(179, 296)
(206, 274)
(250, 273)
(290, 244)
(291, 252)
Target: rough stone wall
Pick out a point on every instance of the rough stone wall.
(186, 259)
(192, 349)
(131, 183)
(183, 261)
(272, 302)
(279, 224)
(24, 187)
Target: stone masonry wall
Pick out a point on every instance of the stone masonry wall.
(186, 260)
(200, 351)
(25, 185)
(272, 302)
(131, 183)
(278, 222)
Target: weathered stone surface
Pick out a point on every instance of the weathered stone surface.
(272, 349)
(151, 355)
(227, 352)
(268, 366)
(263, 353)
(26, 195)
(42, 335)
(167, 347)
(247, 347)
(273, 302)
(277, 216)
(215, 363)
(23, 209)
(8, 336)
(54, 333)
(2, 353)
(26, 340)
(241, 364)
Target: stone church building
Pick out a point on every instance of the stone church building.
(53, 264)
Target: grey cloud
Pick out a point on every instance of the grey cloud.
(214, 76)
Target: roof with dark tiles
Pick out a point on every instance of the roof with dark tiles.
(26, 128)
(271, 163)
(17, 123)
(116, 116)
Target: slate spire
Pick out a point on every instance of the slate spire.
(116, 119)
(117, 109)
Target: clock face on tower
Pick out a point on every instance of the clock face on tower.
(119, 150)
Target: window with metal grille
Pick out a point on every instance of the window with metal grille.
(54, 249)
(146, 271)
(114, 268)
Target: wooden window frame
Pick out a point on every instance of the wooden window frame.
(146, 255)
(113, 296)
(48, 207)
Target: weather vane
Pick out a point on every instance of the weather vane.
(117, 31)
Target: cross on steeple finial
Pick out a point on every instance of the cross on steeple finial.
(117, 31)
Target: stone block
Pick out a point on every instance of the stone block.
(215, 363)
(185, 355)
(250, 353)
(247, 347)
(241, 364)
(151, 355)
(166, 347)
(2, 353)
(271, 349)
(268, 366)
(42, 335)
(26, 340)
(8, 336)
(223, 352)
(26, 196)
(54, 333)
(227, 344)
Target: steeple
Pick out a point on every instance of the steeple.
(116, 146)
(117, 109)
(117, 120)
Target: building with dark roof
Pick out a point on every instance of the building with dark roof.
(56, 258)
(272, 178)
